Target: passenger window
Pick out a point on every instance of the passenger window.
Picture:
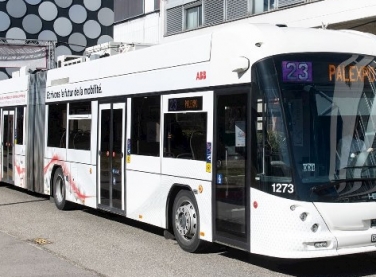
(79, 125)
(145, 121)
(20, 125)
(185, 135)
(57, 119)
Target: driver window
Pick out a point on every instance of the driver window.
(273, 158)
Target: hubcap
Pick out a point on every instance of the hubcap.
(186, 220)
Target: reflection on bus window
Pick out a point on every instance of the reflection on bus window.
(80, 128)
(145, 125)
(185, 136)
(57, 118)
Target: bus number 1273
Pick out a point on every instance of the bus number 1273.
(283, 188)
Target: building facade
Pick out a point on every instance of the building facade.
(152, 21)
(73, 25)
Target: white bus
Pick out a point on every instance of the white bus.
(259, 137)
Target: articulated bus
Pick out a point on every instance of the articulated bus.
(255, 136)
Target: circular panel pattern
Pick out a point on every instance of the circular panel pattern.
(62, 50)
(63, 3)
(77, 14)
(92, 29)
(106, 16)
(77, 42)
(4, 21)
(3, 76)
(48, 11)
(63, 26)
(92, 5)
(47, 35)
(33, 2)
(15, 33)
(16, 8)
(104, 39)
(32, 24)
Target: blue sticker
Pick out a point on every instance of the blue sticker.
(208, 152)
(128, 147)
(219, 179)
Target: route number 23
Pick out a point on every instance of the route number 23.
(297, 71)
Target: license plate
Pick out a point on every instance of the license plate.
(373, 238)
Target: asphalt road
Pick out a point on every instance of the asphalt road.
(36, 239)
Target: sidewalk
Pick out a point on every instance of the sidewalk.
(20, 258)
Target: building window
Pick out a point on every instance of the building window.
(126, 9)
(156, 5)
(193, 17)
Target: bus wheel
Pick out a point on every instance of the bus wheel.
(186, 221)
(59, 190)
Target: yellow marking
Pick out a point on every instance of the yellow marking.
(208, 168)
(41, 241)
(128, 159)
(202, 234)
(140, 216)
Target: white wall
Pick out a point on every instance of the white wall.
(142, 30)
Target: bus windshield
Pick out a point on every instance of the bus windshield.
(328, 102)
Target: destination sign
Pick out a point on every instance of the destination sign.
(185, 104)
(351, 73)
(296, 71)
(304, 71)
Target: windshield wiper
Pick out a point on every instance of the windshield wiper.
(333, 183)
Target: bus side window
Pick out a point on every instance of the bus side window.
(57, 119)
(79, 128)
(185, 135)
(20, 125)
(145, 122)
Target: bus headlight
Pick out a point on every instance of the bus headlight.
(314, 227)
(303, 216)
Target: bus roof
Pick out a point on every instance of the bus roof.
(176, 65)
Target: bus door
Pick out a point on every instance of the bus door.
(111, 156)
(231, 200)
(7, 145)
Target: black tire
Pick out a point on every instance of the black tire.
(185, 222)
(59, 191)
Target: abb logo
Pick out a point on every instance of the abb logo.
(201, 75)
